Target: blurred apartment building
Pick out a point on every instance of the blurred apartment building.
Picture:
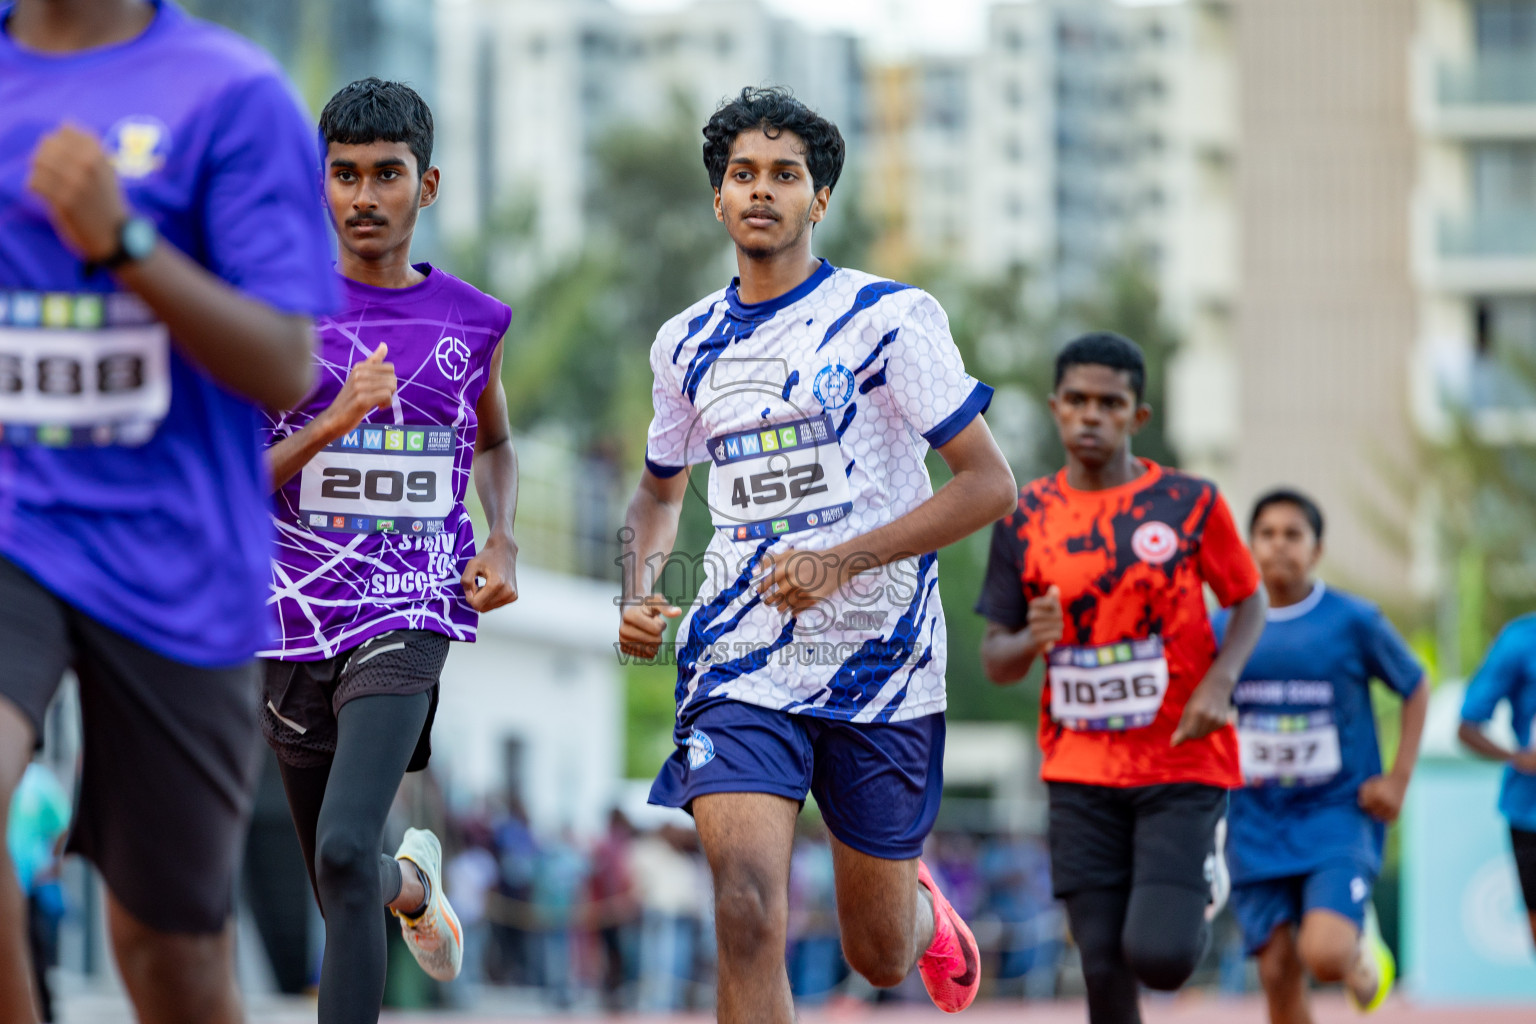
(529, 87)
(1083, 134)
(1474, 213)
(1388, 271)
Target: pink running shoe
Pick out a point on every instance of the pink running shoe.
(951, 967)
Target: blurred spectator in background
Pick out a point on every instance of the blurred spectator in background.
(517, 852)
(34, 834)
(560, 870)
(471, 875)
(671, 883)
(816, 965)
(1030, 927)
(614, 912)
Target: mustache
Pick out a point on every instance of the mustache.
(357, 221)
(761, 211)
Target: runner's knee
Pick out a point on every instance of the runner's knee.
(346, 868)
(882, 960)
(1165, 935)
(751, 911)
(1278, 963)
(1328, 955)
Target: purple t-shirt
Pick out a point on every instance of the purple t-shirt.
(372, 533)
(131, 484)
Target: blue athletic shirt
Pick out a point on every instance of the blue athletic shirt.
(143, 503)
(1307, 735)
(1509, 673)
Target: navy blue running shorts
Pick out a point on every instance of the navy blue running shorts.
(1341, 886)
(877, 784)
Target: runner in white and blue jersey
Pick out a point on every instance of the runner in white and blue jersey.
(813, 658)
(1306, 830)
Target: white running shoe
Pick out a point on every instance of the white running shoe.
(1217, 874)
(434, 937)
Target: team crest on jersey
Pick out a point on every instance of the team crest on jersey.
(137, 146)
(701, 749)
(1154, 542)
(833, 386)
(453, 358)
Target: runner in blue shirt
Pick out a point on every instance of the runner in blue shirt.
(1509, 673)
(163, 252)
(1306, 829)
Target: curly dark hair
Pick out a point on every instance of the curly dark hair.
(774, 109)
(373, 110)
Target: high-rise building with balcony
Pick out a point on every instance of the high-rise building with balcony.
(1474, 99)
(1327, 307)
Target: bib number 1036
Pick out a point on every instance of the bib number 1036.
(1111, 687)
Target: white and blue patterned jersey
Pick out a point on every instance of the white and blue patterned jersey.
(815, 411)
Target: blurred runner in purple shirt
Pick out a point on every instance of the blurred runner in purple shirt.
(162, 255)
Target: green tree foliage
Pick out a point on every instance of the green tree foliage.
(579, 346)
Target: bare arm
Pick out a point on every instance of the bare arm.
(496, 484)
(370, 385)
(1007, 654)
(1381, 796)
(251, 348)
(1472, 735)
(1210, 706)
(1410, 732)
(981, 492)
(650, 530)
(1474, 739)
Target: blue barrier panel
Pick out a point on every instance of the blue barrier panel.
(1465, 933)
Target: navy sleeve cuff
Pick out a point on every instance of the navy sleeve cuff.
(974, 405)
(662, 472)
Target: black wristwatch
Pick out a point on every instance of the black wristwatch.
(135, 240)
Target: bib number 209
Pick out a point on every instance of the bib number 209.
(347, 483)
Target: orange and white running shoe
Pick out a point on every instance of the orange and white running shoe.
(433, 936)
(951, 967)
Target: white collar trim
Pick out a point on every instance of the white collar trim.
(1300, 608)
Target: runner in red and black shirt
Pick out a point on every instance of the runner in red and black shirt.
(1102, 570)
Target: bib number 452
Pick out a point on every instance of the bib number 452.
(348, 484)
(769, 488)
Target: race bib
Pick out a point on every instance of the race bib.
(1289, 750)
(1112, 687)
(781, 479)
(381, 479)
(79, 370)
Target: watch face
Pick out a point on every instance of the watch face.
(138, 238)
